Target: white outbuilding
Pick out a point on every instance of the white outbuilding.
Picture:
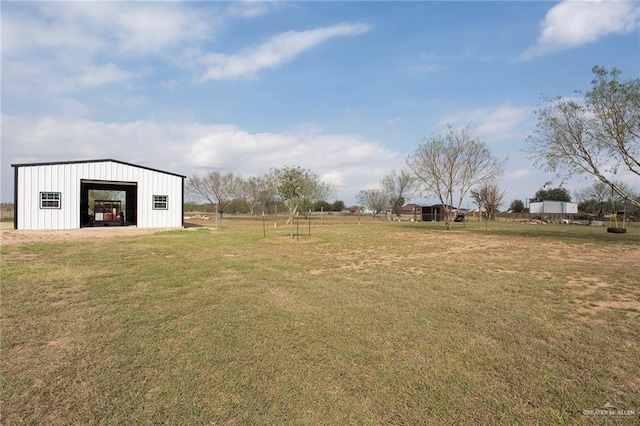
(56, 195)
(553, 207)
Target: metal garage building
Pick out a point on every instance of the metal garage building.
(553, 207)
(56, 195)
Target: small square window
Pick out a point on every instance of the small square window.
(160, 202)
(50, 200)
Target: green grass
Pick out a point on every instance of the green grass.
(382, 322)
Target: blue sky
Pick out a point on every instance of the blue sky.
(346, 89)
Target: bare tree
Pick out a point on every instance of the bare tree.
(448, 165)
(216, 188)
(489, 196)
(313, 191)
(599, 198)
(375, 200)
(598, 136)
(399, 187)
(254, 192)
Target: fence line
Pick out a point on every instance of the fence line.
(6, 212)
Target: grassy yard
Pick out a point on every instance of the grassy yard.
(371, 323)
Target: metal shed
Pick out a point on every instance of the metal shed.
(55, 195)
(435, 213)
(553, 207)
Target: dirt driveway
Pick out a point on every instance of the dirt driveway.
(10, 236)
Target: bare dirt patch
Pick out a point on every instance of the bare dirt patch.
(10, 236)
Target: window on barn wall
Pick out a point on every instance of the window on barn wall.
(50, 200)
(160, 202)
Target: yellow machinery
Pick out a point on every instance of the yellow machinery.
(617, 222)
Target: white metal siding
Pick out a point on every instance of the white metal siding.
(570, 208)
(536, 208)
(150, 184)
(66, 178)
(553, 207)
(32, 181)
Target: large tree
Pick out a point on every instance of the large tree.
(299, 189)
(448, 165)
(553, 194)
(399, 186)
(517, 206)
(597, 135)
(375, 200)
(216, 188)
(337, 206)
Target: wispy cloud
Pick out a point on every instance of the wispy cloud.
(249, 8)
(493, 124)
(573, 23)
(395, 120)
(273, 53)
(422, 69)
(51, 78)
(94, 76)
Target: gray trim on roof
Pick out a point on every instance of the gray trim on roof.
(55, 163)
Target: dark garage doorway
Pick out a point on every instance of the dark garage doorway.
(127, 190)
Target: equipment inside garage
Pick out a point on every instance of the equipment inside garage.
(108, 212)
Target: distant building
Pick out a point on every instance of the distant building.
(553, 207)
(410, 209)
(434, 213)
(351, 210)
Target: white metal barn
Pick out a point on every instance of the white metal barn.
(56, 195)
(553, 207)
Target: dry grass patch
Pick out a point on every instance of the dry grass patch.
(371, 323)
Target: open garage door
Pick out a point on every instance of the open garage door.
(121, 211)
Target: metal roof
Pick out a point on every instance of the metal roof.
(55, 163)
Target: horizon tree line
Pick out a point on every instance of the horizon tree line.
(598, 136)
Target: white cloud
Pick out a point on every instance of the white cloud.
(395, 120)
(520, 173)
(249, 9)
(63, 46)
(573, 23)
(152, 30)
(99, 27)
(273, 53)
(94, 76)
(498, 124)
(60, 47)
(46, 77)
(24, 32)
(347, 161)
(69, 107)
